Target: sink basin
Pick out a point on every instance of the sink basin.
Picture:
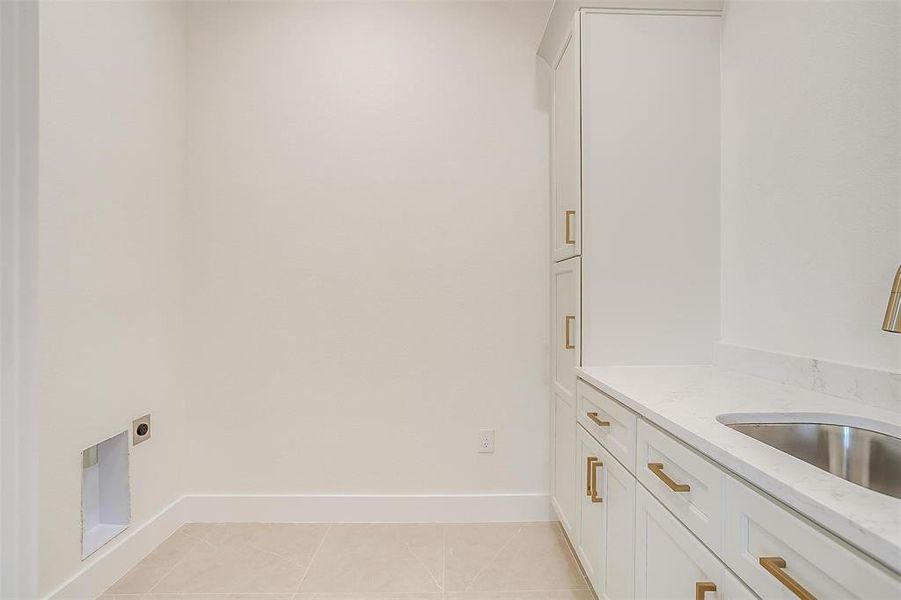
(870, 459)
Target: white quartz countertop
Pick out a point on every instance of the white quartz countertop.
(686, 402)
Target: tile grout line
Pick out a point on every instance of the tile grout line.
(312, 558)
(490, 560)
(179, 561)
(422, 564)
(444, 561)
(163, 576)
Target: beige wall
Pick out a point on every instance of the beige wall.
(812, 178)
(368, 243)
(111, 156)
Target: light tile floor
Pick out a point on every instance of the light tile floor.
(280, 561)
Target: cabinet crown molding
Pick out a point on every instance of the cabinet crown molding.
(560, 17)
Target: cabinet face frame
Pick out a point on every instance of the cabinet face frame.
(566, 216)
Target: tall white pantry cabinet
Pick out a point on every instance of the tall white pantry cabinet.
(635, 217)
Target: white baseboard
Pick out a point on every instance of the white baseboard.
(115, 559)
(120, 555)
(476, 508)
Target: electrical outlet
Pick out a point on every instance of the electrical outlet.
(140, 430)
(486, 441)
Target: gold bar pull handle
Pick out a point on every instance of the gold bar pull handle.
(657, 469)
(568, 217)
(774, 566)
(702, 587)
(594, 417)
(594, 481)
(589, 461)
(568, 343)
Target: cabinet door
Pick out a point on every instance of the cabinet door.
(670, 563)
(565, 328)
(564, 463)
(735, 589)
(590, 539)
(566, 152)
(564, 357)
(618, 491)
(606, 540)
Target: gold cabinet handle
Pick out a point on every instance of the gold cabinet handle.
(702, 587)
(594, 481)
(774, 566)
(657, 469)
(594, 417)
(567, 217)
(568, 345)
(588, 480)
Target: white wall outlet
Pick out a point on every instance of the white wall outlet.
(486, 441)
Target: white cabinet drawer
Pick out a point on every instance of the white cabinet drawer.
(609, 422)
(685, 482)
(756, 527)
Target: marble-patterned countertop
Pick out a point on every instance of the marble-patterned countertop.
(686, 402)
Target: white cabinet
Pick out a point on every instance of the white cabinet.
(688, 484)
(609, 422)
(564, 462)
(650, 186)
(566, 152)
(606, 538)
(589, 538)
(775, 551)
(564, 358)
(672, 564)
(734, 589)
(565, 327)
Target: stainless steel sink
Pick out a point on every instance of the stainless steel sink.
(867, 458)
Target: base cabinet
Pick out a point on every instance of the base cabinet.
(635, 540)
(565, 462)
(671, 564)
(606, 538)
(760, 532)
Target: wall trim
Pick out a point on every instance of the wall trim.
(414, 508)
(18, 298)
(115, 559)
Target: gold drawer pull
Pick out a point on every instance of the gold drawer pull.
(774, 565)
(702, 587)
(657, 469)
(568, 345)
(590, 461)
(594, 417)
(566, 220)
(594, 481)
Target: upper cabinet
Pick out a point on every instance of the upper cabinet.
(650, 122)
(566, 152)
(635, 162)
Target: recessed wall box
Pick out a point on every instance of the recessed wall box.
(105, 493)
